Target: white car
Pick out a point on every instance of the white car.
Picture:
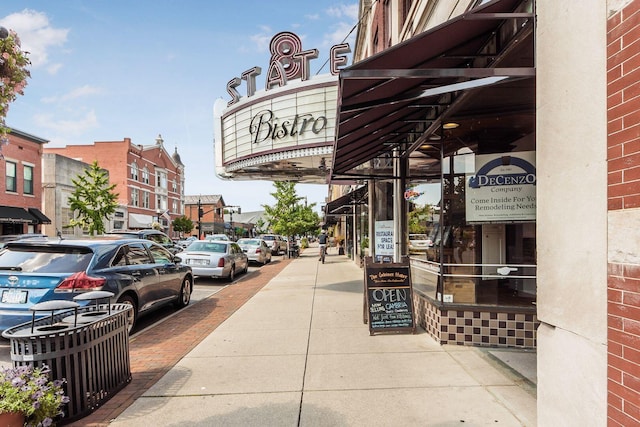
(256, 249)
(419, 243)
(215, 258)
(217, 237)
(277, 243)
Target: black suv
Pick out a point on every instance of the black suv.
(150, 234)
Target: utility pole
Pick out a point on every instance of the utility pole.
(233, 229)
(199, 219)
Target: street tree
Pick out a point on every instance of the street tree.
(93, 200)
(289, 216)
(182, 225)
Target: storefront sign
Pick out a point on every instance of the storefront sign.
(389, 300)
(384, 241)
(503, 189)
(290, 123)
(288, 62)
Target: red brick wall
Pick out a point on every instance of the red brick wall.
(20, 150)
(117, 157)
(623, 145)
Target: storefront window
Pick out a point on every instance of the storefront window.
(471, 259)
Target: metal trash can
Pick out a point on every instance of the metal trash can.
(88, 346)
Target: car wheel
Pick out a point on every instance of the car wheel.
(246, 268)
(133, 314)
(185, 293)
(232, 274)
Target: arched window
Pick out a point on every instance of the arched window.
(134, 171)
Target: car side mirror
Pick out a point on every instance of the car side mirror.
(177, 259)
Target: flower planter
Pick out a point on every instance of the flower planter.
(11, 419)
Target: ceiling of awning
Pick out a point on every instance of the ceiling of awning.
(476, 70)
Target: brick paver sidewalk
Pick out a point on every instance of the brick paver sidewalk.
(155, 351)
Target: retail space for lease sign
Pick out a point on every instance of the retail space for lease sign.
(502, 189)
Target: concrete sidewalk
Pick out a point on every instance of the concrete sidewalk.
(299, 354)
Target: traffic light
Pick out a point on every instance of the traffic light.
(239, 210)
(200, 212)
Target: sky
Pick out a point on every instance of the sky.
(105, 70)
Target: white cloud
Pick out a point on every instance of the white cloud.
(262, 39)
(82, 91)
(347, 11)
(79, 92)
(37, 36)
(68, 127)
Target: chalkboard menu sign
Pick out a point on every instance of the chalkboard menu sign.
(388, 297)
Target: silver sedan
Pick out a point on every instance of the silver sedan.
(218, 259)
(256, 249)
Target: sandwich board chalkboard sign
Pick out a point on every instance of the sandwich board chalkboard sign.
(389, 297)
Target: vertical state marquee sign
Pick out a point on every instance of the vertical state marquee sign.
(388, 297)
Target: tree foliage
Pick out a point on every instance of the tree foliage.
(289, 217)
(93, 200)
(418, 218)
(182, 224)
(14, 71)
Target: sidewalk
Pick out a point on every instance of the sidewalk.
(297, 353)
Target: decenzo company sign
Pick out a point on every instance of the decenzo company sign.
(503, 188)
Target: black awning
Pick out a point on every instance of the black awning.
(37, 214)
(474, 69)
(15, 214)
(344, 204)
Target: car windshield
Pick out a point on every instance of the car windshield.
(251, 242)
(58, 259)
(417, 237)
(208, 247)
(217, 237)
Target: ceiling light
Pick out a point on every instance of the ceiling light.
(450, 125)
(426, 147)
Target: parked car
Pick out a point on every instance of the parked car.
(141, 273)
(278, 244)
(149, 234)
(217, 237)
(183, 243)
(256, 249)
(419, 243)
(215, 258)
(21, 237)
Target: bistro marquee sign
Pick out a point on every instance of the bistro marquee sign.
(293, 117)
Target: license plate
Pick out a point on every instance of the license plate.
(13, 296)
(199, 262)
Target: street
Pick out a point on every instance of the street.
(203, 288)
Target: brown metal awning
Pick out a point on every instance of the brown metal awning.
(476, 70)
(39, 216)
(344, 204)
(15, 215)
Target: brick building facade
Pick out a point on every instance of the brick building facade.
(21, 200)
(149, 181)
(623, 145)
